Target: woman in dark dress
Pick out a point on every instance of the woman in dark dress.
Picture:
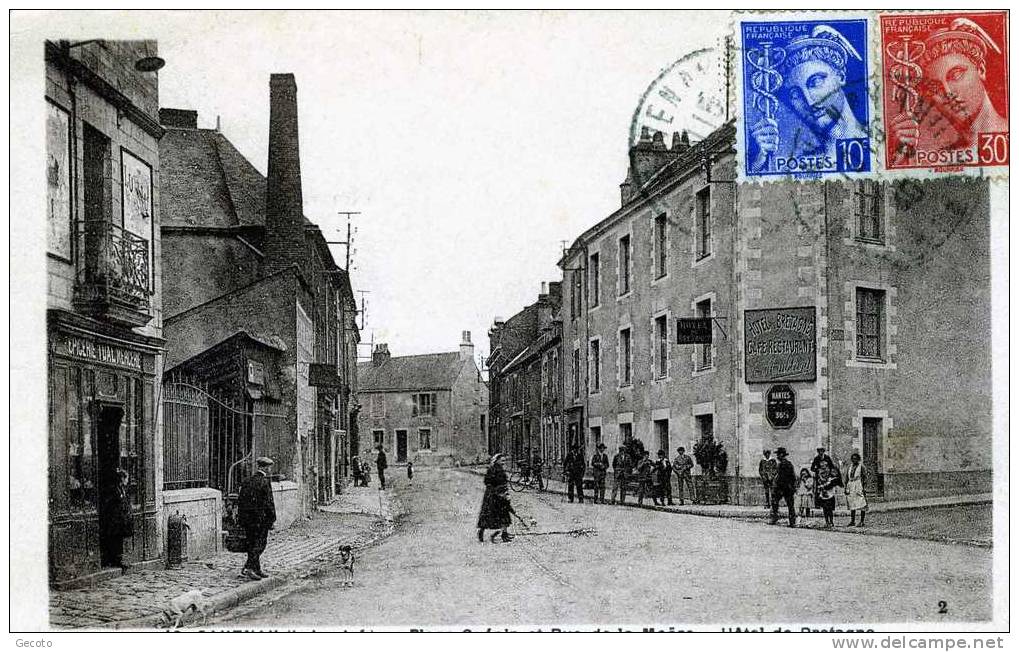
(827, 479)
(493, 514)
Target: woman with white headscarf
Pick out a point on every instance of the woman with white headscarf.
(491, 517)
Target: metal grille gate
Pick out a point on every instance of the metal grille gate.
(208, 436)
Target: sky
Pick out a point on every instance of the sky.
(472, 144)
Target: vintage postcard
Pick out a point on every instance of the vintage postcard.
(671, 321)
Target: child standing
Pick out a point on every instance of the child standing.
(804, 493)
(410, 472)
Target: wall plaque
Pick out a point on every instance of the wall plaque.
(780, 345)
(780, 406)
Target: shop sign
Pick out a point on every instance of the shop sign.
(780, 345)
(86, 349)
(780, 406)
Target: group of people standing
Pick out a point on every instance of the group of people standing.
(813, 488)
(362, 469)
(631, 468)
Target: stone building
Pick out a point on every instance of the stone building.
(525, 381)
(258, 313)
(429, 409)
(104, 309)
(852, 315)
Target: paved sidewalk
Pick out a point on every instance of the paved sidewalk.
(359, 517)
(747, 512)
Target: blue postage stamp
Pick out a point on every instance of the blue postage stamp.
(804, 98)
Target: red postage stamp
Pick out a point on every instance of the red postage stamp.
(945, 90)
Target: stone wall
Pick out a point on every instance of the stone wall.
(203, 509)
(287, 497)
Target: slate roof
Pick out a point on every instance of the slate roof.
(206, 182)
(432, 371)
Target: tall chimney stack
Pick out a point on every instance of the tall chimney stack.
(284, 201)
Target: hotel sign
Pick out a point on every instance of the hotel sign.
(695, 330)
(780, 345)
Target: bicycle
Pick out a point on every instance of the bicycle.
(522, 478)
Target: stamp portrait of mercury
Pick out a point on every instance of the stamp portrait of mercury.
(804, 98)
(945, 88)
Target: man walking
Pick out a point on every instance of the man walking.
(381, 464)
(574, 467)
(784, 488)
(682, 466)
(256, 513)
(621, 465)
(600, 466)
(767, 468)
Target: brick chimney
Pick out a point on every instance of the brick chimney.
(647, 156)
(284, 243)
(380, 355)
(466, 348)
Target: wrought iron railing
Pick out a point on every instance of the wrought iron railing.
(114, 266)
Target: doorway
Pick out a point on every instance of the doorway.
(401, 445)
(108, 422)
(871, 454)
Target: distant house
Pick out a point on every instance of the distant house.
(429, 409)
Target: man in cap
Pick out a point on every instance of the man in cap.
(599, 467)
(814, 78)
(767, 468)
(785, 487)
(256, 513)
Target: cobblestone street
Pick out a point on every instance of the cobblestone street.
(137, 598)
(636, 567)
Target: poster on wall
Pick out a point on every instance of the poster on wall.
(780, 345)
(58, 182)
(137, 195)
